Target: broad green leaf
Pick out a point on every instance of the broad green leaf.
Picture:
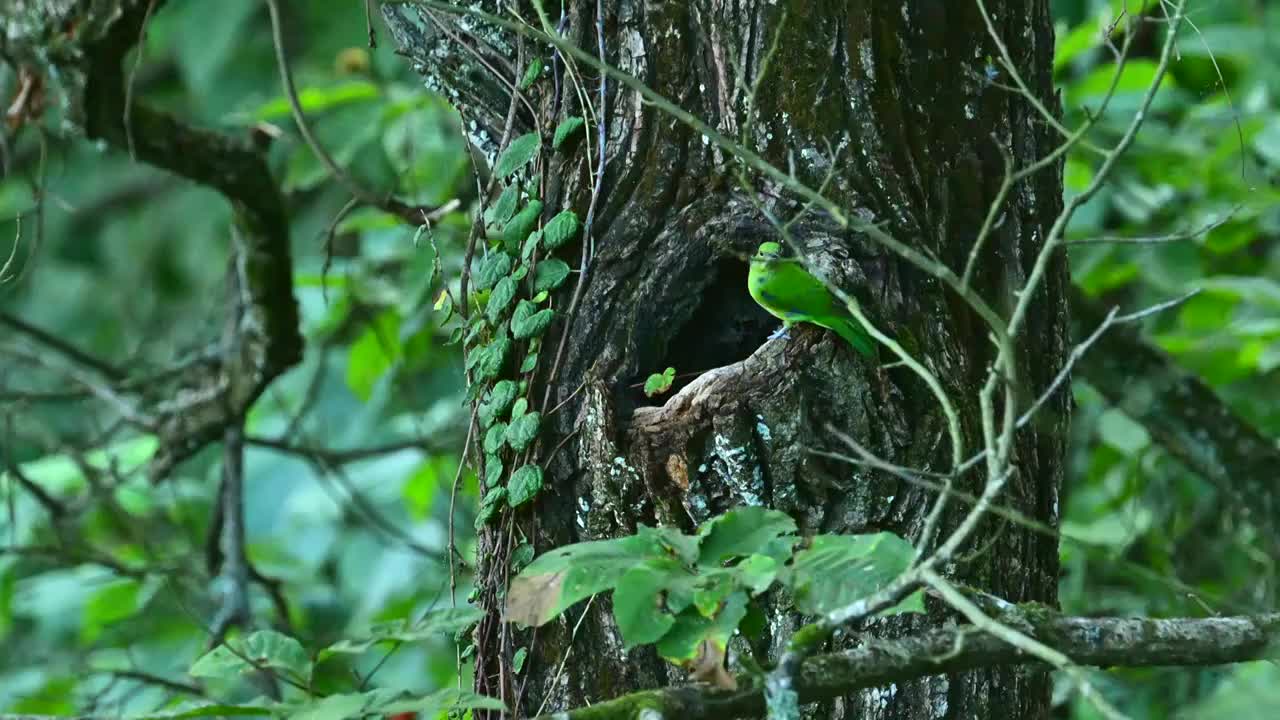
(521, 556)
(502, 210)
(491, 358)
(441, 701)
(528, 321)
(530, 362)
(517, 660)
(681, 642)
(499, 400)
(490, 505)
(493, 438)
(114, 601)
(500, 299)
(520, 407)
(263, 649)
(531, 74)
(757, 573)
(436, 624)
(566, 129)
(1261, 291)
(342, 706)
(374, 353)
(550, 274)
(559, 578)
(671, 542)
(492, 269)
(519, 152)
(492, 470)
(522, 431)
(560, 229)
(518, 228)
(212, 711)
(836, 570)
(712, 591)
(530, 245)
(741, 532)
(524, 485)
(1070, 45)
(638, 602)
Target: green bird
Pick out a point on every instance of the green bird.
(784, 288)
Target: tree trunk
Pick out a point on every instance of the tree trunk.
(890, 108)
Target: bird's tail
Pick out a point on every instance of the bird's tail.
(856, 335)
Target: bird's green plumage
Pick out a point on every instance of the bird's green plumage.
(784, 288)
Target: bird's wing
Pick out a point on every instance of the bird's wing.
(791, 289)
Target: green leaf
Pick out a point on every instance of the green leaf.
(530, 245)
(497, 403)
(492, 470)
(757, 573)
(522, 431)
(517, 660)
(639, 605)
(741, 532)
(493, 438)
(836, 570)
(681, 642)
(373, 354)
(519, 227)
(519, 152)
(657, 384)
(216, 711)
(521, 556)
(528, 321)
(565, 575)
(341, 706)
(492, 269)
(712, 591)
(531, 75)
(491, 358)
(264, 648)
(524, 485)
(438, 623)
(560, 229)
(443, 701)
(490, 505)
(500, 299)
(520, 407)
(530, 362)
(550, 274)
(566, 128)
(110, 603)
(505, 207)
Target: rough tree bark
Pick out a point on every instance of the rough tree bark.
(891, 108)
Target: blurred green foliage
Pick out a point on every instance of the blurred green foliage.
(127, 259)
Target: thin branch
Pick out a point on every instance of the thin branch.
(62, 347)
(336, 458)
(1159, 239)
(1021, 642)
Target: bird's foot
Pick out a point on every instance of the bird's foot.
(781, 333)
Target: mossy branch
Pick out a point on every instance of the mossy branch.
(1099, 642)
